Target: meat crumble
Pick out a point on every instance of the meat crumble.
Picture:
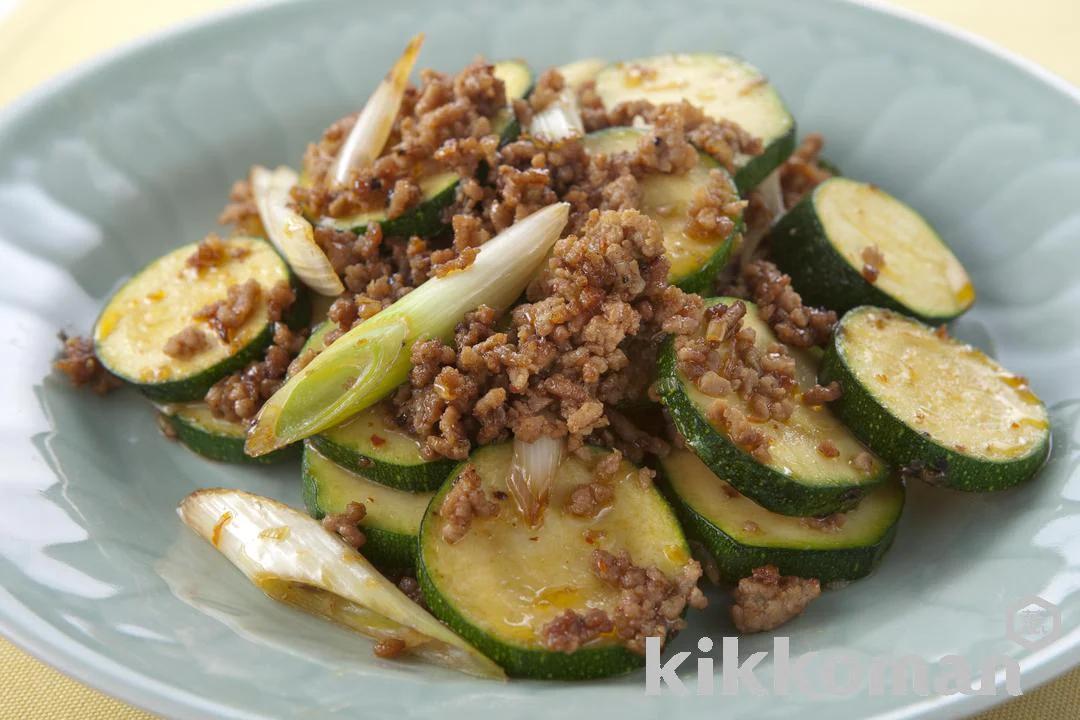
(346, 524)
(229, 315)
(240, 396)
(82, 367)
(873, 260)
(766, 600)
(187, 343)
(465, 500)
(782, 308)
(570, 630)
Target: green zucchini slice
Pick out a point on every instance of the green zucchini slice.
(936, 406)
(440, 189)
(392, 522)
(666, 199)
(797, 479)
(821, 244)
(724, 87)
(161, 300)
(741, 535)
(504, 581)
(216, 438)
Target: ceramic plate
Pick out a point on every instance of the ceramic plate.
(107, 168)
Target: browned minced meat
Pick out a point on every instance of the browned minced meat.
(444, 124)
(873, 260)
(726, 359)
(465, 501)
(239, 396)
(187, 343)
(587, 499)
(82, 366)
(229, 315)
(829, 523)
(650, 603)
(570, 630)
(241, 212)
(802, 172)
(565, 357)
(714, 209)
(389, 648)
(782, 307)
(828, 448)
(766, 600)
(819, 395)
(346, 524)
(546, 90)
(212, 251)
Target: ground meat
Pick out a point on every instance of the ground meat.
(465, 501)
(459, 262)
(570, 630)
(828, 448)
(819, 395)
(650, 603)
(280, 298)
(389, 648)
(873, 260)
(347, 524)
(405, 194)
(715, 208)
(212, 251)
(782, 307)
(565, 357)
(765, 600)
(802, 171)
(588, 499)
(229, 315)
(239, 396)
(241, 212)
(187, 343)
(82, 366)
(546, 90)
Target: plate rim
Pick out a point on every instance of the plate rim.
(30, 634)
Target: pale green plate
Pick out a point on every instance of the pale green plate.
(106, 169)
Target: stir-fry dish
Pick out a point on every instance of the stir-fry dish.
(552, 348)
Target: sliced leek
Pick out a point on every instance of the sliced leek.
(290, 233)
(365, 364)
(368, 136)
(291, 558)
(561, 120)
(532, 472)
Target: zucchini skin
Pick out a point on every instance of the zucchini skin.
(736, 561)
(701, 280)
(769, 488)
(750, 175)
(424, 220)
(801, 248)
(583, 664)
(412, 478)
(222, 447)
(896, 442)
(388, 550)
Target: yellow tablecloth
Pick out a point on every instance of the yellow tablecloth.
(39, 38)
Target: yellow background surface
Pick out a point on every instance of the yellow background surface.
(40, 38)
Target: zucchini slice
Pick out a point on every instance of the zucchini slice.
(216, 438)
(440, 189)
(666, 199)
(742, 535)
(392, 522)
(504, 581)
(934, 405)
(161, 300)
(724, 87)
(798, 479)
(373, 445)
(821, 244)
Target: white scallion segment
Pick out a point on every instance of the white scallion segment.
(581, 71)
(368, 136)
(772, 197)
(291, 558)
(291, 234)
(365, 364)
(561, 120)
(532, 472)
(946, 389)
(919, 271)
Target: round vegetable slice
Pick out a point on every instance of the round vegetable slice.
(161, 300)
(939, 408)
(501, 583)
(667, 198)
(849, 243)
(798, 478)
(392, 520)
(741, 535)
(216, 438)
(724, 87)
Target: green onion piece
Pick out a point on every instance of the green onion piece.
(293, 559)
(365, 364)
